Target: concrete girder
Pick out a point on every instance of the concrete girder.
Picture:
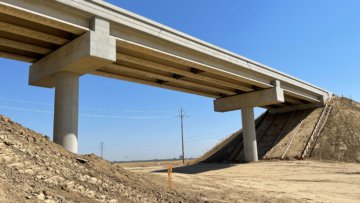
(292, 100)
(134, 72)
(23, 46)
(219, 68)
(170, 69)
(153, 83)
(47, 13)
(17, 57)
(190, 60)
(300, 94)
(34, 34)
(297, 108)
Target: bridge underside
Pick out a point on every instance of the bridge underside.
(66, 39)
(25, 40)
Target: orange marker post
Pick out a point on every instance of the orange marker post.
(170, 182)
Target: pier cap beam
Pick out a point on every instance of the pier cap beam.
(265, 97)
(84, 54)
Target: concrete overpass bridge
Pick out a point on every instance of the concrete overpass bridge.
(65, 39)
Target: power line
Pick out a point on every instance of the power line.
(197, 138)
(25, 109)
(26, 101)
(209, 134)
(86, 108)
(159, 145)
(85, 115)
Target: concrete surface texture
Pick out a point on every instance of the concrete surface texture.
(66, 110)
(249, 134)
(271, 96)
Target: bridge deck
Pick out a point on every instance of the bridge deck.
(147, 52)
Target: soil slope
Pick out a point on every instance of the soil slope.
(340, 138)
(286, 135)
(33, 169)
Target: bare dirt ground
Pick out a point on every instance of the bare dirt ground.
(34, 169)
(266, 181)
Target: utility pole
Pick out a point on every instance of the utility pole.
(182, 116)
(102, 149)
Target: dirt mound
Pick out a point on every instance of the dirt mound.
(340, 138)
(33, 169)
(286, 135)
(274, 133)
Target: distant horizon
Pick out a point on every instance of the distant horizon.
(154, 160)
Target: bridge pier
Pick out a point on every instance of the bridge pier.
(249, 134)
(66, 110)
(246, 102)
(62, 68)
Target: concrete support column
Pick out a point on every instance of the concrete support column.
(66, 110)
(249, 134)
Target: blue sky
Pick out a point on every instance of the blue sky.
(317, 41)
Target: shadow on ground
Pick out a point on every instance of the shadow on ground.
(196, 168)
